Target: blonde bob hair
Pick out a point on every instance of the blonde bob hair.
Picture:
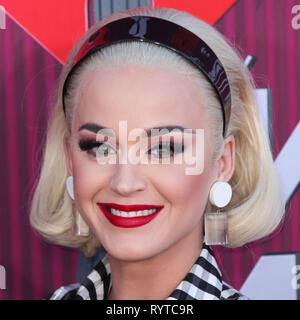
(257, 204)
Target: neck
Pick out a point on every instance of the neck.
(157, 277)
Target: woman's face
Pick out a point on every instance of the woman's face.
(144, 97)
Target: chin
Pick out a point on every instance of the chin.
(131, 252)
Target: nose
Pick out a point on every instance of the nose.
(126, 180)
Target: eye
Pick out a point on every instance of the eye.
(104, 149)
(95, 148)
(163, 149)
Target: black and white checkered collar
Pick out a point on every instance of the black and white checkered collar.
(203, 282)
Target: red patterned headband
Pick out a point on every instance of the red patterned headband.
(167, 34)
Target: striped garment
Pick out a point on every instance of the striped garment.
(203, 282)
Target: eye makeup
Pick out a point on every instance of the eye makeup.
(85, 145)
(172, 148)
(166, 149)
(159, 144)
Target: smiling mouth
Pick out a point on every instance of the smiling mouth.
(129, 216)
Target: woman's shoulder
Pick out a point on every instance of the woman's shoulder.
(229, 293)
(68, 292)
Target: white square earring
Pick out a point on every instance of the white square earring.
(216, 223)
(81, 228)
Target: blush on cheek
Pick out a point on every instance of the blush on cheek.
(181, 188)
(86, 179)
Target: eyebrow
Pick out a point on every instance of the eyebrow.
(93, 127)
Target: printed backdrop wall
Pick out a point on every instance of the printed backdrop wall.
(35, 38)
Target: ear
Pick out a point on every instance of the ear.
(66, 141)
(227, 161)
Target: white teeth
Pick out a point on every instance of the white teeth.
(132, 213)
(114, 211)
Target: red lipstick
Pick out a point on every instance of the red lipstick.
(128, 222)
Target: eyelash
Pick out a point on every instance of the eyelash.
(89, 145)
